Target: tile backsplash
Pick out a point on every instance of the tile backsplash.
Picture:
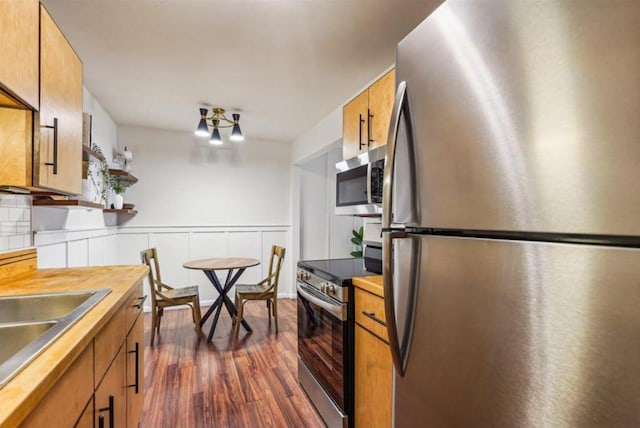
(15, 222)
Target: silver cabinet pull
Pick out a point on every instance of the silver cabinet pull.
(372, 315)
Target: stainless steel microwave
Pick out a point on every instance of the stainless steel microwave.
(359, 184)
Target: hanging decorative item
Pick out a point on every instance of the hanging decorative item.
(98, 176)
(123, 160)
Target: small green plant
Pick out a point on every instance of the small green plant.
(356, 239)
(118, 185)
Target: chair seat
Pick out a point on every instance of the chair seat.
(250, 289)
(179, 293)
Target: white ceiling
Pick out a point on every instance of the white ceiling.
(284, 64)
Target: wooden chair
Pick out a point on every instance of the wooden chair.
(163, 296)
(267, 289)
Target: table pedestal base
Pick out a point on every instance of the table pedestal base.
(222, 299)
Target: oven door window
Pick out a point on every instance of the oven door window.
(320, 346)
(351, 187)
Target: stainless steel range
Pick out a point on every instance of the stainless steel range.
(325, 336)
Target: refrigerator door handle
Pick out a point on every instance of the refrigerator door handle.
(389, 303)
(389, 163)
(393, 231)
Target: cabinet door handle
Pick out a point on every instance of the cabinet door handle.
(140, 302)
(136, 384)
(110, 408)
(54, 164)
(369, 126)
(361, 121)
(373, 316)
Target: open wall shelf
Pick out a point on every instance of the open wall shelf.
(66, 204)
(111, 210)
(123, 175)
(87, 153)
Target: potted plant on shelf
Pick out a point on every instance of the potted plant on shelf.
(118, 186)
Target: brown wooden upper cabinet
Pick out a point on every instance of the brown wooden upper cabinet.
(58, 157)
(19, 58)
(15, 146)
(365, 120)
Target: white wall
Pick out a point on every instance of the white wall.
(319, 139)
(323, 235)
(309, 217)
(313, 205)
(104, 129)
(184, 182)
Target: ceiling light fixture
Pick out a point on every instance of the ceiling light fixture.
(217, 119)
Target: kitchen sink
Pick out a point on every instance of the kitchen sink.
(30, 323)
(14, 337)
(40, 307)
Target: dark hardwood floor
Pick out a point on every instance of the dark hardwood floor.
(252, 382)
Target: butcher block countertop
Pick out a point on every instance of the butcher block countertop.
(20, 396)
(372, 284)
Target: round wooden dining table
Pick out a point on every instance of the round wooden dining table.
(209, 267)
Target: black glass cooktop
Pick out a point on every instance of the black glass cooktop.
(339, 271)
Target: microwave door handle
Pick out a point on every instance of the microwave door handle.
(369, 174)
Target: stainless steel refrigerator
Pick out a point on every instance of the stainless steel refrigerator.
(512, 216)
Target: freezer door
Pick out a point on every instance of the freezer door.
(526, 115)
(522, 334)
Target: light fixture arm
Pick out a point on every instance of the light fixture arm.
(218, 114)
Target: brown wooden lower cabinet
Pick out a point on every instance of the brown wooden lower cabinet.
(86, 418)
(111, 394)
(116, 402)
(64, 403)
(98, 389)
(373, 365)
(373, 381)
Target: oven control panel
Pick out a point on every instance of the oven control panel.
(328, 288)
(304, 275)
(322, 285)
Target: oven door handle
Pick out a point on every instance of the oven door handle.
(333, 309)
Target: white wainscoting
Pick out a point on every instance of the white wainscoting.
(175, 245)
(61, 248)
